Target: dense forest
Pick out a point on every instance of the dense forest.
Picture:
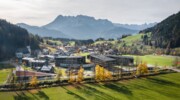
(166, 34)
(13, 37)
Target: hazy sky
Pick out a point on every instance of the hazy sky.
(40, 12)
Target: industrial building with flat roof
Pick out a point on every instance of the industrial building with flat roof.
(69, 60)
(111, 60)
(102, 60)
(122, 60)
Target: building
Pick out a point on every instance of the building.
(25, 76)
(102, 60)
(31, 62)
(122, 60)
(49, 58)
(47, 69)
(110, 60)
(69, 60)
(23, 52)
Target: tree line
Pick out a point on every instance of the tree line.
(13, 37)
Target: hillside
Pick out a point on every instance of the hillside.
(166, 34)
(13, 37)
(42, 31)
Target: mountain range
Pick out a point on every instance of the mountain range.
(83, 27)
(136, 26)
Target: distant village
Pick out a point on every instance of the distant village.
(43, 63)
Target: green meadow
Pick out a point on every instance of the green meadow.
(161, 87)
(3, 75)
(155, 59)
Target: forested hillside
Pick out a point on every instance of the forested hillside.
(13, 37)
(166, 34)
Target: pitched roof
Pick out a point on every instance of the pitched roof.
(31, 73)
(46, 68)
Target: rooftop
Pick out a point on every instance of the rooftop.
(31, 73)
(70, 57)
(77, 65)
(102, 57)
(46, 68)
(116, 56)
(33, 60)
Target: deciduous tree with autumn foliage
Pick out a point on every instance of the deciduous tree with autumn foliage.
(80, 75)
(97, 72)
(142, 69)
(102, 74)
(71, 77)
(34, 81)
(59, 75)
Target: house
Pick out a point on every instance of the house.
(31, 62)
(70, 48)
(37, 53)
(47, 69)
(45, 51)
(48, 58)
(23, 52)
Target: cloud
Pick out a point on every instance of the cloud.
(40, 12)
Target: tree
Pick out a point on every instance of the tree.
(175, 62)
(14, 78)
(80, 74)
(13, 37)
(59, 74)
(97, 72)
(100, 39)
(17, 61)
(107, 74)
(34, 81)
(155, 68)
(71, 77)
(102, 74)
(142, 69)
(24, 63)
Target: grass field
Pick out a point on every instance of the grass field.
(132, 39)
(152, 59)
(54, 41)
(3, 75)
(162, 87)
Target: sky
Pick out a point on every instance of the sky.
(41, 12)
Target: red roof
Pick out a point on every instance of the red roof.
(32, 73)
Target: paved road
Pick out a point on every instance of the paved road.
(175, 69)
